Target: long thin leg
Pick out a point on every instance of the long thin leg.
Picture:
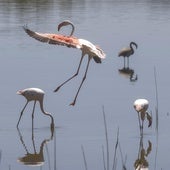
(22, 113)
(73, 103)
(33, 116)
(72, 76)
(142, 128)
(139, 123)
(127, 62)
(124, 62)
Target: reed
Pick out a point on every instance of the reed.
(104, 162)
(123, 161)
(84, 157)
(107, 141)
(106, 165)
(0, 155)
(156, 94)
(115, 151)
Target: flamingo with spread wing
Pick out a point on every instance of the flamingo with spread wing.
(85, 46)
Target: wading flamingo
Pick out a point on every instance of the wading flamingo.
(34, 94)
(85, 46)
(141, 106)
(127, 52)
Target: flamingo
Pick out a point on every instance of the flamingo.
(141, 106)
(85, 46)
(34, 94)
(127, 52)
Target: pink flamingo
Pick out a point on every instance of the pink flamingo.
(127, 52)
(141, 107)
(34, 94)
(85, 46)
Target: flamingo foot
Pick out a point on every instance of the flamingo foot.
(73, 103)
(57, 89)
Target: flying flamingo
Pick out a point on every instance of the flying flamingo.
(85, 46)
(34, 94)
(127, 52)
(141, 106)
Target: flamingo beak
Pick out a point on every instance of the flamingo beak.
(19, 92)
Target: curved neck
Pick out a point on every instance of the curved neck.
(131, 46)
(46, 113)
(73, 28)
(65, 23)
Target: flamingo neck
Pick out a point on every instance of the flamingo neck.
(73, 28)
(131, 46)
(46, 113)
(65, 23)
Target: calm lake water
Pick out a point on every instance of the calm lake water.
(25, 62)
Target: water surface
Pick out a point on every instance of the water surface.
(25, 62)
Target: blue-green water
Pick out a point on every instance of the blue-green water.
(25, 62)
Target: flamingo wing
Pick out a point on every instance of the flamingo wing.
(124, 52)
(55, 39)
(92, 50)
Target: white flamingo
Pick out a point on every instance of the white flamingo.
(85, 46)
(34, 94)
(141, 106)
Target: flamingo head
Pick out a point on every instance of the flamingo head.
(65, 23)
(141, 105)
(133, 43)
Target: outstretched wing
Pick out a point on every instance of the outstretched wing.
(55, 39)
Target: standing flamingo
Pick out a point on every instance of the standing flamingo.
(70, 41)
(34, 94)
(127, 52)
(141, 106)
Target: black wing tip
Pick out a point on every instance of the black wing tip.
(27, 30)
(25, 27)
(97, 59)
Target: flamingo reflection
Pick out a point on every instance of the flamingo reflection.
(35, 158)
(129, 73)
(141, 162)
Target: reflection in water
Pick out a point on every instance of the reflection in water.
(36, 158)
(141, 162)
(129, 73)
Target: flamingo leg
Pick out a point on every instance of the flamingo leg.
(72, 76)
(124, 62)
(22, 113)
(33, 117)
(74, 101)
(127, 62)
(140, 126)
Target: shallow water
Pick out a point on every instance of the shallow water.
(25, 62)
